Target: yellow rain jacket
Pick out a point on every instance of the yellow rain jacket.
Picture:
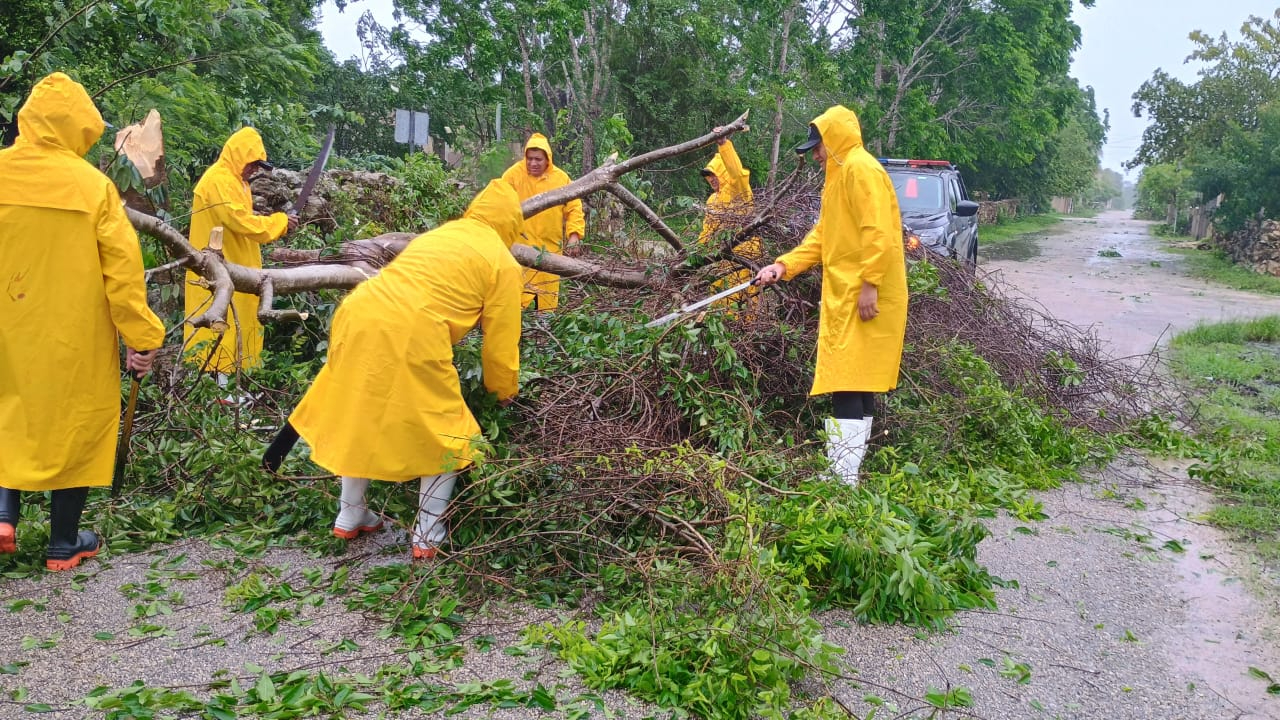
(858, 239)
(388, 405)
(222, 197)
(548, 229)
(71, 270)
(735, 188)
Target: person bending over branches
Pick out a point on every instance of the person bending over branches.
(388, 405)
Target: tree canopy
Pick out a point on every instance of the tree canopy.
(1220, 130)
(983, 83)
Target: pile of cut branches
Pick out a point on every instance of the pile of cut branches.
(633, 437)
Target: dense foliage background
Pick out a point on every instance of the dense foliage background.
(983, 83)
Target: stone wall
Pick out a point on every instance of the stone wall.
(1256, 245)
(993, 211)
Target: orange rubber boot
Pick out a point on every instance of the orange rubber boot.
(10, 509)
(68, 545)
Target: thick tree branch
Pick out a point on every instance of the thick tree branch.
(248, 280)
(610, 171)
(266, 296)
(213, 271)
(372, 253)
(651, 217)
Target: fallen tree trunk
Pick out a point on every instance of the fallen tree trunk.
(372, 253)
(358, 260)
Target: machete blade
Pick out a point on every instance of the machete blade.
(317, 168)
(694, 307)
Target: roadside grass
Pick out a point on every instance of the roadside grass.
(1234, 369)
(1010, 230)
(1215, 266)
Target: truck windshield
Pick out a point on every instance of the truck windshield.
(918, 193)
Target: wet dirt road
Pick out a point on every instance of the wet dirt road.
(1107, 619)
(1134, 298)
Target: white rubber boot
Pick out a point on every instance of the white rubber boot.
(846, 444)
(354, 516)
(433, 501)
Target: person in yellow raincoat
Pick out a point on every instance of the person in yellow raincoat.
(222, 199)
(73, 286)
(388, 405)
(863, 317)
(730, 186)
(557, 230)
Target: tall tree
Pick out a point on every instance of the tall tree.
(1222, 127)
(208, 67)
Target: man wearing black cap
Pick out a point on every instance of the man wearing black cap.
(223, 199)
(863, 316)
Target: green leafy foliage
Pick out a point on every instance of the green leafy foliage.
(725, 639)
(1215, 135)
(1161, 187)
(209, 68)
(728, 637)
(737, 662)
(1236, 448)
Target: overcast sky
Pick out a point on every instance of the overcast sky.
(1124, 41)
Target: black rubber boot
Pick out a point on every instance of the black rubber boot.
(67, 545)
(10, 509)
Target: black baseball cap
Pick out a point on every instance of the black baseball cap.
(810, 142)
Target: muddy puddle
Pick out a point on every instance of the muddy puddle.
(1020, 248)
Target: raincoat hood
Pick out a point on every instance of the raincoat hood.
(498, 206)
(840, 130)
(717, 168)
(243, 147)
(59, 112)
(538, 141)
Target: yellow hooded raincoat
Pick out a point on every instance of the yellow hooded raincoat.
(735, 188)
(388, 404)
(71, 270)
(548, 229)
(858, 239)
(222, 198)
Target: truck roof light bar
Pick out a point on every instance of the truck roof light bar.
(915, 163)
